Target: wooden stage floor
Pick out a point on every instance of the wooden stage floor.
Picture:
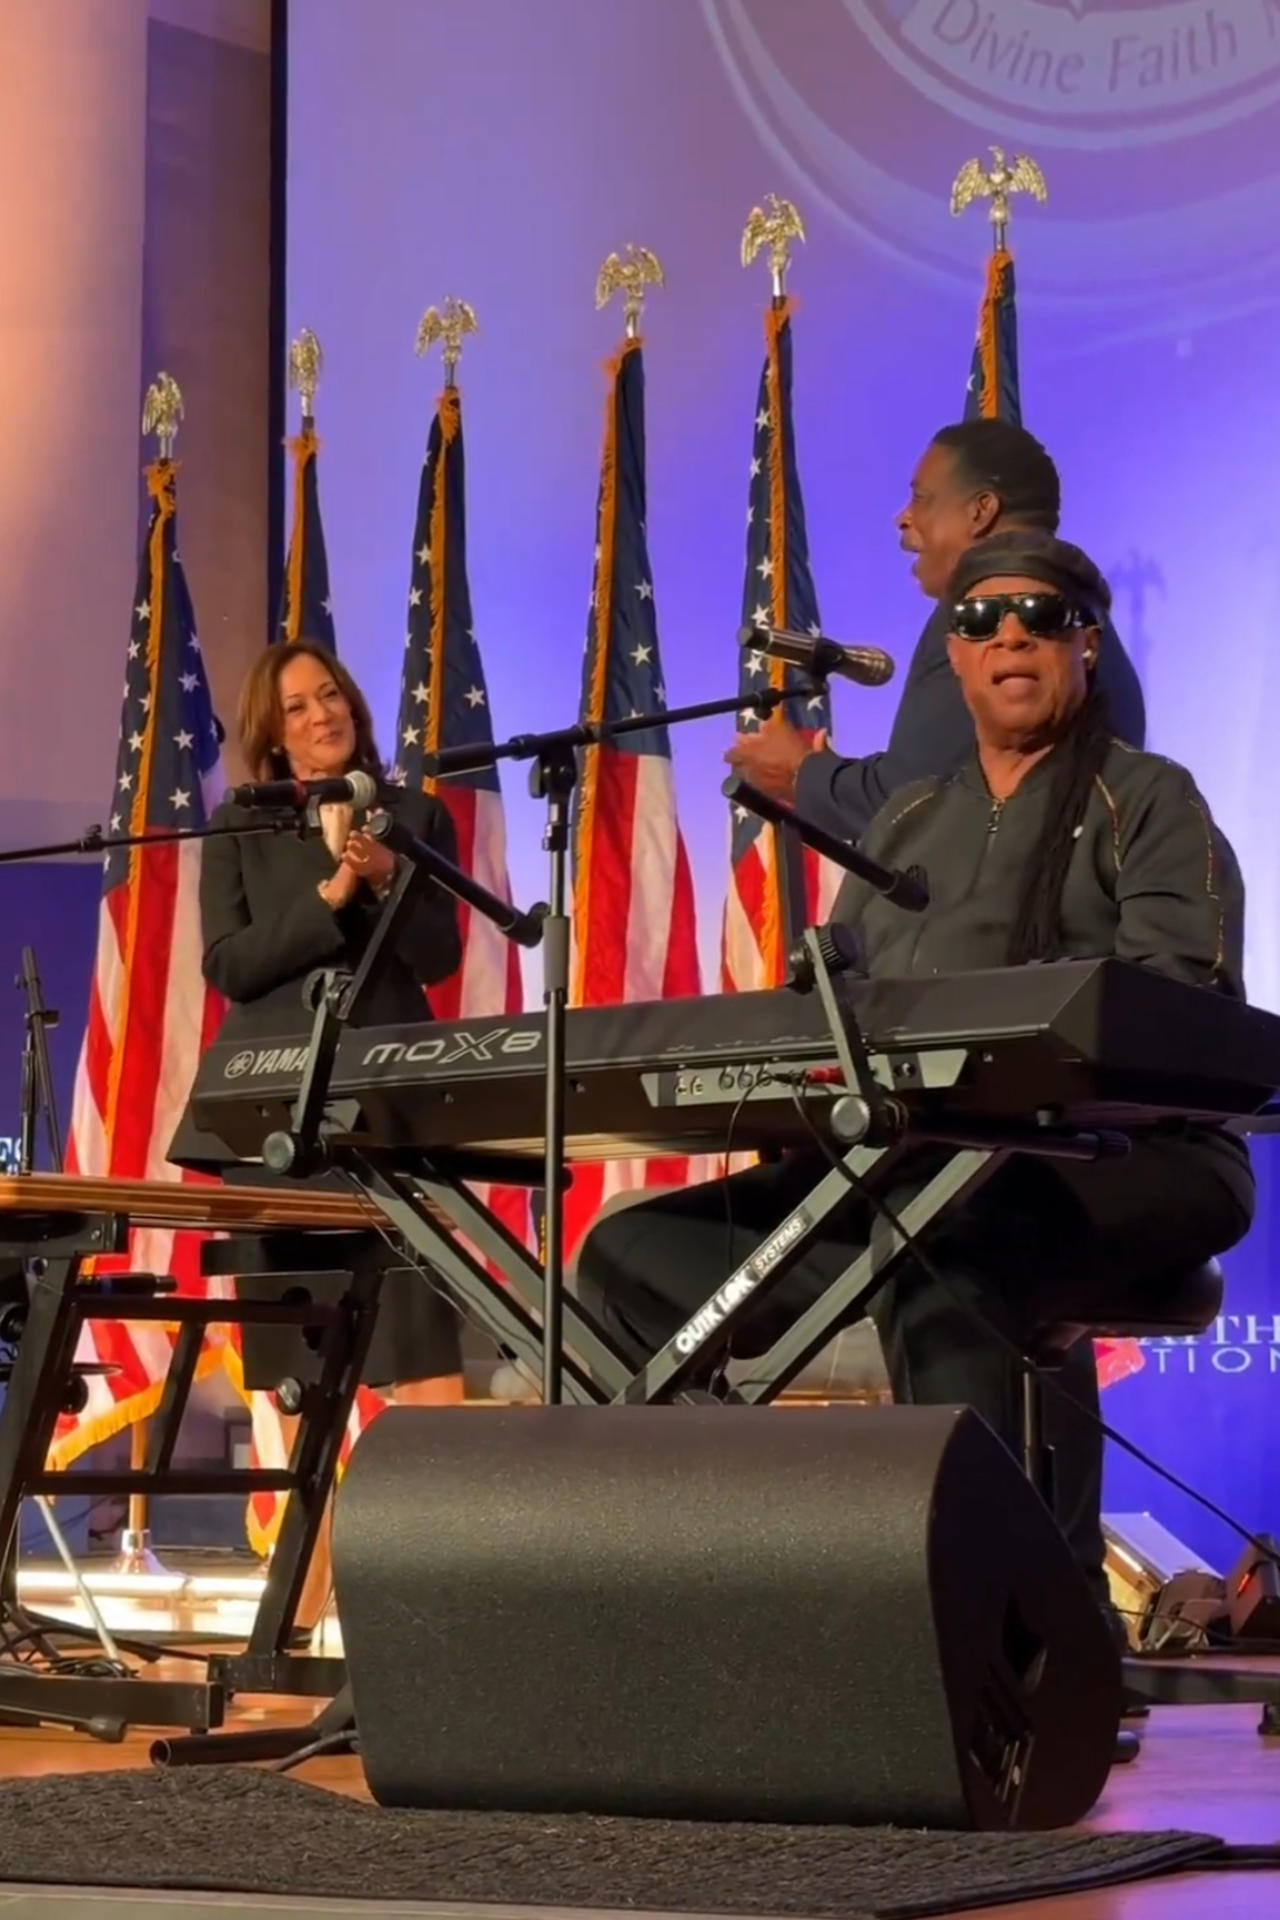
(1201, 1768)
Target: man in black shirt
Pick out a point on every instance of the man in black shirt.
(1052, 841)
(975, 479)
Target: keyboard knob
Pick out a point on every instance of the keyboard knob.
(850, 1120)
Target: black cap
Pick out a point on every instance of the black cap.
(1035, 556)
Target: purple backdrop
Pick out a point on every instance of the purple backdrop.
(499, 151)
(52, 908)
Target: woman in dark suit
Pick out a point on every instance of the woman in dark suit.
(278, 908)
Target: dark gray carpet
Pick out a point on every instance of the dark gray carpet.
(242, 1831)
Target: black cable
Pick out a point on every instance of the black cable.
(344, 1737)
(1259, 1855)
(739, 1108)
(934, 1274)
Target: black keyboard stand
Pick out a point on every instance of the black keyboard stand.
(872, 1127)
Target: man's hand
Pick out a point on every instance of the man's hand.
(770, 758)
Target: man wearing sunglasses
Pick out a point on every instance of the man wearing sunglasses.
(975, 479)
(1051, 841)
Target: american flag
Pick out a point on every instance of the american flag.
(150, 1012)
(444, 702)
(634, 925)
(306, 609)
(992, 390)
(776, 887)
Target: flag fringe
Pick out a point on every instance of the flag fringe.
(606, 524)
(988, 332)
(447, 413)
(126, 1413)
(303, 449)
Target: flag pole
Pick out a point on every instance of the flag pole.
(448, 324)
(998, 183)
(993, 392)
(161, 414)
(305, 608)
(778, 225)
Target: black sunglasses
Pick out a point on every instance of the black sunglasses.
(1045, 616)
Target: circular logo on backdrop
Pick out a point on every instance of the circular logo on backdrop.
(238, 1064)
(1153, 121)
(1084, 72)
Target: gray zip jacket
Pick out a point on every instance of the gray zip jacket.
(1152, 879)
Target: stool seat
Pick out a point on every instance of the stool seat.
(1184, 1300)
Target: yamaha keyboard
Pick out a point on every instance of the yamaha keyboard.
(1086, 1041)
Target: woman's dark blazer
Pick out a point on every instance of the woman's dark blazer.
(266, 930)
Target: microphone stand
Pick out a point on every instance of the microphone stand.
(93, 840)
(37, 1079)
(902, 889)
(552, 779)
(38, 1101)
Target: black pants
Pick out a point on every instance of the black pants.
(415, 1333)
(1172, 1202)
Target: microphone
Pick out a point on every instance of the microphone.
(815, 654)
(524, 928)
(359, 789)
(908, 890)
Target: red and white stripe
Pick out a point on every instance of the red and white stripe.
(640, 943)
(148, 1025)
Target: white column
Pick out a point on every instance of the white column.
(72, 152)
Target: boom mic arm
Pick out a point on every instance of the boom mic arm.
(906, 890)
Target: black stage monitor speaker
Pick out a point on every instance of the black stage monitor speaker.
(712, 1612)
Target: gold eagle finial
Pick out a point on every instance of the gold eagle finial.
(161, 412)
(447, 324)
(775, 225)
(630, 275)
(997, 183)
(306, 364)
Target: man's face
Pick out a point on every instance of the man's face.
(943, 517)
(1021, 691)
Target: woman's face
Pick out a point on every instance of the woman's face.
(318, 734)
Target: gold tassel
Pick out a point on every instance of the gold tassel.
(449, 417)
(988, 351)
(304, 450)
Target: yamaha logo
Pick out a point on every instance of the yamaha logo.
(290, 1060)
(1082, 85)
